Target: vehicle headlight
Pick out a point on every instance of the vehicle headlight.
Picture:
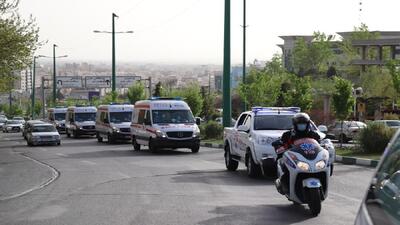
(265, 140)
(56, 137)
(196, 132)
(303, 166)
(115, 129)
(160, 133)
(320, 165)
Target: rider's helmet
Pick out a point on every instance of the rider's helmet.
(301, 122)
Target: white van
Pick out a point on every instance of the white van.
(80, 120)
(164, 123)
(56, 116)
(114, 122)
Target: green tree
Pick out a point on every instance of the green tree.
(394, 71)
(260, 89)
(311, 58)
(136, 92)
(158, 91)
(299, 92)
(19, 38)
(343, 99)
(192, 97)
(208, 106)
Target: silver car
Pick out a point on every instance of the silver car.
(12, 126)
(394, 124)
(350, 130)
(42, 133)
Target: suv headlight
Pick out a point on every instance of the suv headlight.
(320, 165)
(161, 133)
(264, 140)
(303, 166)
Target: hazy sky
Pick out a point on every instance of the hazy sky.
(191, 31)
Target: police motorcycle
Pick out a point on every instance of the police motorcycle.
(303, 173)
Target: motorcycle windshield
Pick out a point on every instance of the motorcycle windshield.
(307, 147)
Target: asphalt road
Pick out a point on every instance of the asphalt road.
(97, 183)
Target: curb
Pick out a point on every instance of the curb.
(340, 159)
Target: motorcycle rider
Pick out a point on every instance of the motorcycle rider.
(301, 129)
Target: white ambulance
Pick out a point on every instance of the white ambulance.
(164, 123)
(56, 116)
(80, 120)
(113, 122)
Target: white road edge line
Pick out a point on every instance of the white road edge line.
(55, 175)
(345, 197)
(60, 154)
(88, 162)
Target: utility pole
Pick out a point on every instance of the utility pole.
(227, 66)
(33, 87)
(113, 66)
(54, 75)
(113, 53)
(43, 100)
(244, 48)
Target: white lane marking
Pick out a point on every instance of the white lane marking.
(62, 155)
(55, 175)
(43, 149)
(345, 197)
(124, 175)
(88, 162)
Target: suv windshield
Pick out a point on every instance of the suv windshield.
(59, 116)
(13, 122)
(273, 122)
(81, 117)
(172, 116)
(120, 117)
(43, 129)
(393, 123)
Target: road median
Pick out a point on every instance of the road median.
(340, 159)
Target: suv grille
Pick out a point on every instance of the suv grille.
(88, 127)
(126, 130)
(180, 134)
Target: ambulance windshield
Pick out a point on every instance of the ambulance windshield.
(172, 116)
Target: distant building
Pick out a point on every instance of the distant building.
(386, 39)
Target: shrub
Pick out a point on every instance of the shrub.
(390, 116)
(375, 137)
(212, 130)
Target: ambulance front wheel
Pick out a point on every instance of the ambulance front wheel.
(136, 146)
(152, 147)
(195, 149)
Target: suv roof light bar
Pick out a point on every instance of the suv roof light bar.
(163, 98)
(259, 108)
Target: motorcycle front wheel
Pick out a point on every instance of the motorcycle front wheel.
(314, 201)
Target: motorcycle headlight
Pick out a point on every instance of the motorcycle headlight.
(303, 166)
(160, 133)
(320, 165)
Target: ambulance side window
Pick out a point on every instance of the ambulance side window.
(141, 116)
(147, 120)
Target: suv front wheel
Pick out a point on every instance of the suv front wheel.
(230, 163)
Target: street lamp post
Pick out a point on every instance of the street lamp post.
(113, 53)
(54, 74)
(244, 48)
(113, 66)
(227, 66)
